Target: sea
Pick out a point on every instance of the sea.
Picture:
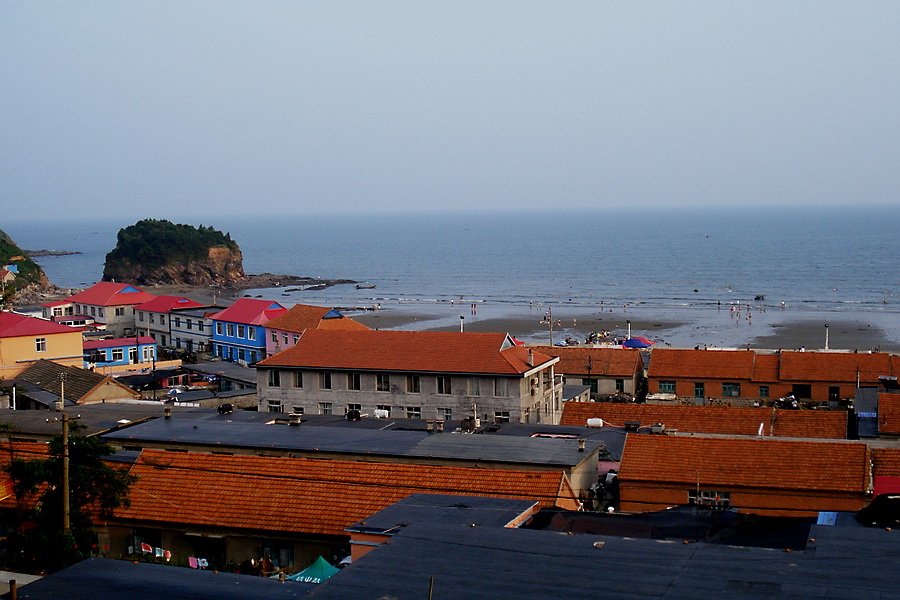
(686, 266)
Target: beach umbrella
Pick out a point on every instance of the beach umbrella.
(637, 342)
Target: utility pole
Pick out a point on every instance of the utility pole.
(64, 419)
(548, 318)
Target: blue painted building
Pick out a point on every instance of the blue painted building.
(239, 332)
(119, 351)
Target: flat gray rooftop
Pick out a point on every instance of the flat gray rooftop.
(222, 431)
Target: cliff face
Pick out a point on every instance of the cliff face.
(159, 252)
(222, 266)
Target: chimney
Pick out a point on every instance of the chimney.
(530, 358)
(581, 444)
(296, 419)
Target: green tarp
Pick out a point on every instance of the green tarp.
(317, 572)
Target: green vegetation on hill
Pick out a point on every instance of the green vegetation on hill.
(155, 243)
(28, 271)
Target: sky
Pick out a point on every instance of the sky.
(171, 109)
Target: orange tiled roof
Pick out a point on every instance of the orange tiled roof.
(604, 362)
(889, 413)
(767, 463)
(886, 462)
(419, 351)
(701, 364)
(301, 317)
(714, 419)
(306, 495)
(836, 367)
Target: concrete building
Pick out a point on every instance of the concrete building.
(421, 375)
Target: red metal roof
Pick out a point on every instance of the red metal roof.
(418, 351)
(108, 293)
(16, 325)
(118, 342)
(163, 304)
(250, 311)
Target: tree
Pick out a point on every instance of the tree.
(95, 488)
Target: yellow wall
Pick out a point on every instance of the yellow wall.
(17, 353)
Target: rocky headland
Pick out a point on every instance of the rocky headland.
(159, 252)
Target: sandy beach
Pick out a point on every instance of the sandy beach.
(773, 328)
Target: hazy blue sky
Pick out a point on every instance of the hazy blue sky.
(171, 109)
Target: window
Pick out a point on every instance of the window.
(445, 414)
(176, 321)
(93, 311)
(731, 390)
(413, 384)
(620, 386)
(443, 385)
(218, 328)
(353, 406)
(251, 333)
(501, 388)
(141, 316)
(57, 312)
(298, 379)
(118, 354)
(230, 328)
(296, 339)
(413, 412)
(199, 326)
(40, 344)
(240, 331)
(240, 354)
(148, 353)
(100, 311)
(474, 386)
(501, 416)
(275, 405)
(382, 382)
(162, 319)
(763, 391)
(284, 338)
(666, 387)
(274, 378)
(120, 311)
(274, 337)
(385, 407)
(353, 382)
(325, 408)
(152, 318)
(325, 381)
(709, 498)
(699, 389)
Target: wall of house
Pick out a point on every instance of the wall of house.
(641, 497)
(750, 390)
(229, 342)
(461, 401)
(17, 353)
(109, 391)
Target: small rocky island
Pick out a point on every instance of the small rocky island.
(159, 252)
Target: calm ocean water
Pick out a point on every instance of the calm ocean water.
(837, 261)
